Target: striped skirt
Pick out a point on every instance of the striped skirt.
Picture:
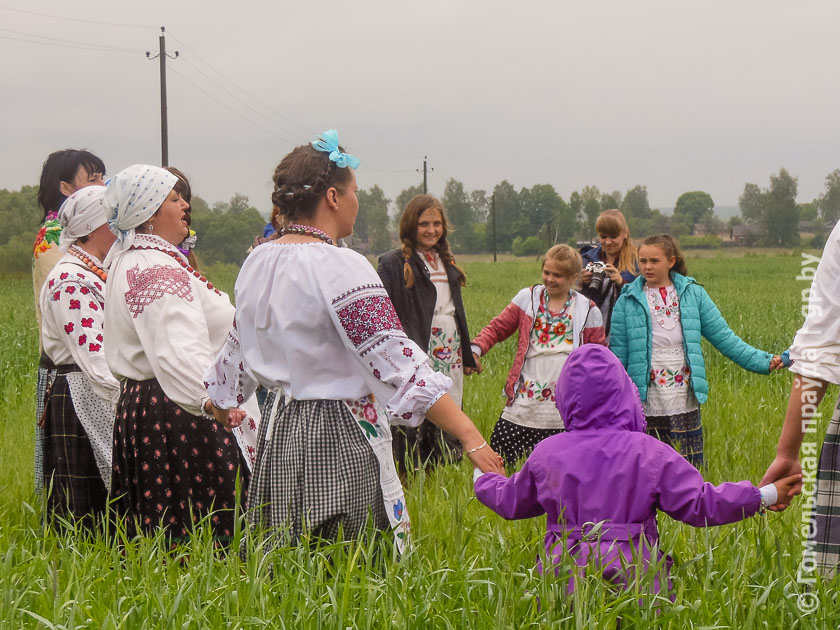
(828, 500)
(683, 431)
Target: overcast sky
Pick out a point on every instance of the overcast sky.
(672, 95)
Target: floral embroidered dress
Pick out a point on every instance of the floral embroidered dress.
(79, 422)
(445, 342)
(669, 392)
(172, 465)
(325, 333)
(551, 341)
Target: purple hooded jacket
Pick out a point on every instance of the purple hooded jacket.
(605, 468)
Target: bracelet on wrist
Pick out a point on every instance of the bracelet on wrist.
(477, 448)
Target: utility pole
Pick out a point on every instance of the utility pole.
(164, 124)
(425, 185)
(493, 213)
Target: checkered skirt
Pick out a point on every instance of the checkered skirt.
(315, 472)
(828, 500)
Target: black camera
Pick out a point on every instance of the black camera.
(599, 274)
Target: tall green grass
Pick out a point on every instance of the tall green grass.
(467, 568)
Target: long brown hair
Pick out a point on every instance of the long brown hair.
(613, 224)
(669, 247)
(408, 235)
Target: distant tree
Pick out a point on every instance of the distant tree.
(508, 209)
(830, 200)
(19, 214)
(610, 201)
(781, 212)
(750, 203)
(540, 206)
(591, 197)
(635, 203)
(810, 211)
(655, 223)
(372, 220)
(694, 207)
(405, 196)
(226, 231)
(576, 207)
(461, 216)
(480, 204)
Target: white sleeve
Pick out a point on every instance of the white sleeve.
(73, 305)
(173, 331)
(816, 347)
(228, 383)
(395, 368)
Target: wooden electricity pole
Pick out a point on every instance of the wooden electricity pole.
(164, 123)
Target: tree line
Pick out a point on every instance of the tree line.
(524, 221)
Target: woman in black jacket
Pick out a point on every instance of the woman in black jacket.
(424, 283)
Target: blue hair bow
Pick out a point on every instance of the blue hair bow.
(328, 142)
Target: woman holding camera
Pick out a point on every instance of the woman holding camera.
(610, 265)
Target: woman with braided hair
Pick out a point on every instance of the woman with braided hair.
(324, 332)
(424, 283)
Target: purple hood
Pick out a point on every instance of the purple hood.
(595, 392)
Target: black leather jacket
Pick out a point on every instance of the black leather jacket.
(415, 306)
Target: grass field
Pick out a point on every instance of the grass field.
(467, 568)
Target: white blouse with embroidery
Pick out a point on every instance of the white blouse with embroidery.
(72, 300)
(163, 322)
(315, 321)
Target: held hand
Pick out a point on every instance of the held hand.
(485, 459)
(478, 369)
(787, 488)
(776, 362)
(780, 469)
(228, 418)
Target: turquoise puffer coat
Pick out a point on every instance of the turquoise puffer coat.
(631, 334)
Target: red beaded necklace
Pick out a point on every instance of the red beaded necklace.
(177, 258)
(101, 273)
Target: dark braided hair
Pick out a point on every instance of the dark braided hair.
(408, 235)
(301, 180)
(669, 247)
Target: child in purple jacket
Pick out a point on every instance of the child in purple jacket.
(606, 469)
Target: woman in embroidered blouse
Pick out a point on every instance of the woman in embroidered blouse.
(325, 332)
(424, 284)
(63, 173)
(79, 415)
(173, 464)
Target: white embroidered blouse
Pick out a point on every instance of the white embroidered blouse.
(163, 322)
(72, 300)
(315, 321)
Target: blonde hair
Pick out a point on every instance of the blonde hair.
(613, 224)
(567, 258)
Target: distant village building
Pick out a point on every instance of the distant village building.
(747, 235)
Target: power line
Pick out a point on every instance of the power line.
(78, 20)
(70, 41)
(244, 91)
(91, 48)
(227, 107)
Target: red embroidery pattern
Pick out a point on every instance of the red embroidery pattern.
(368, 316)
(149, 285)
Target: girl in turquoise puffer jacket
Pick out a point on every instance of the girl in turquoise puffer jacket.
(657, 325)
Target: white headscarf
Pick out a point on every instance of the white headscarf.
(80, 214)
(134, 194)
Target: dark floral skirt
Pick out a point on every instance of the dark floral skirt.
(171, 468)
(513, 441)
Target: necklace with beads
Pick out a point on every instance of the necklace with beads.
(306, 230)
(547, 307)
(188, 268)
(100, 273)
(665, 309)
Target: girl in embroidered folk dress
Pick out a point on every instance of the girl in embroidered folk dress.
(604, 469)
(64, 172)
(79, 415)
(173, 464)
(324, 331)
(424, 284)
(657, 325)
(552, 319)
